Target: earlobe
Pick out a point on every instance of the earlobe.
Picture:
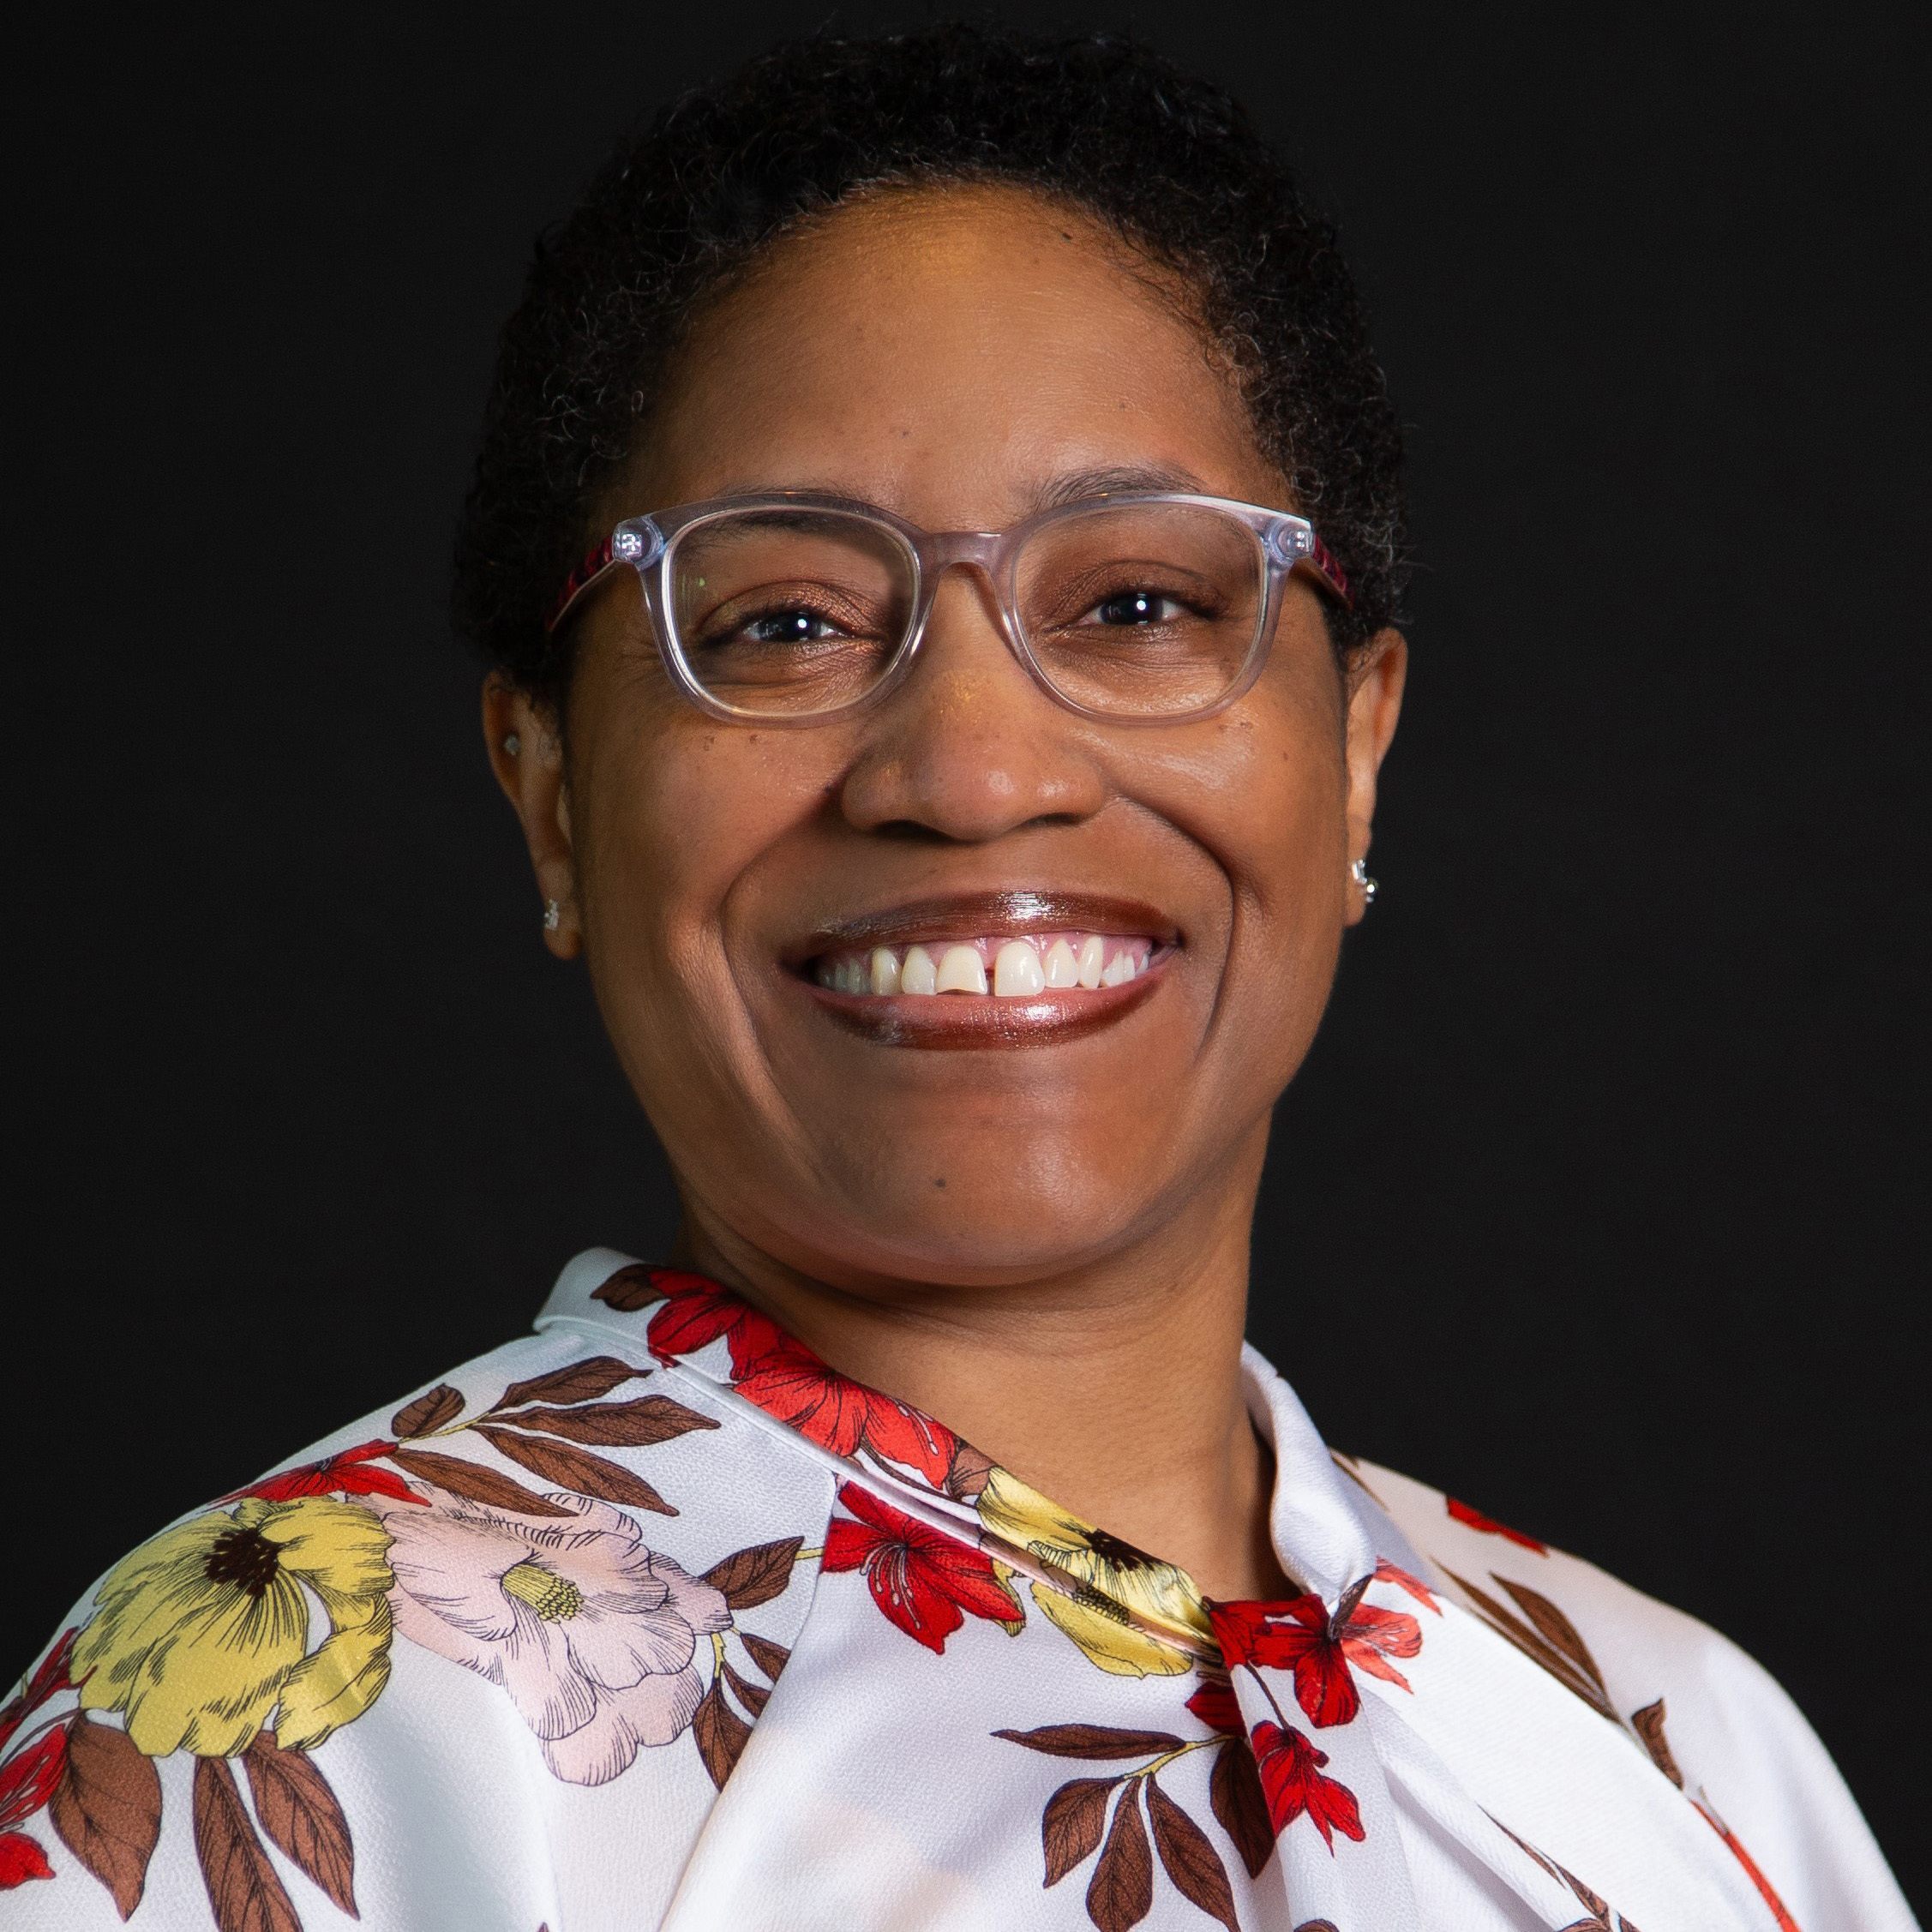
(526, 756)
(1376, 681)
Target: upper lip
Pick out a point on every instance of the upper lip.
(1001, 914)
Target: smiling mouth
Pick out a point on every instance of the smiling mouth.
(1007, 969)
(987, 966)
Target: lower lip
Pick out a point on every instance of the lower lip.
(953, 1021)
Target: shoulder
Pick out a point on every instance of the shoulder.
(505, 1588)
(1607, 1639)
(1711, 1719)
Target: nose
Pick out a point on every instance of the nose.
(969, 748)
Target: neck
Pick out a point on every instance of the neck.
(1114, 1388)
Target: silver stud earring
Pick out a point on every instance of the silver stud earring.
(552, 917)
(513, 744)
(1360, 872)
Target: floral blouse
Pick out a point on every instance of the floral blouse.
(652, 1619)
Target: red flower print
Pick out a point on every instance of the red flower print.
(923, 1580)
(696, 1312)
(1387, 1572)
(1302, 1637)
(26, 1782)
(51, 1677)
(1290, 1778)
(791, 1384)
(1214, 1704)
(350, 1471)
(1490, 1526)
(20, 1859)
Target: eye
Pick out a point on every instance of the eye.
(1138, 607)
(789, 627)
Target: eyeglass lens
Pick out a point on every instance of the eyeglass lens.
(1129, 608)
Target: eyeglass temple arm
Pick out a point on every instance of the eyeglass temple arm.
(596, 565)
(1320, 561)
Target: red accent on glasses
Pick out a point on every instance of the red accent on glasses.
(595, 563)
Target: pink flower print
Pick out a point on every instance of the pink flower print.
(593, 1634)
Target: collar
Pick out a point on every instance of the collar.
(1327, 1532)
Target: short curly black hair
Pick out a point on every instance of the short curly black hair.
(1169, 163)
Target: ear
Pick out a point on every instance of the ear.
(1376, 673)
(526, 753)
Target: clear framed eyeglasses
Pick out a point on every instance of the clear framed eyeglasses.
(798, 609)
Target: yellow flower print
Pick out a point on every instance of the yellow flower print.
(204, 1630)
(1116, 1596)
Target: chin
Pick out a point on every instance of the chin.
(982, 1228)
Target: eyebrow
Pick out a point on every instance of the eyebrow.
(1070, 486)
(1076, 486)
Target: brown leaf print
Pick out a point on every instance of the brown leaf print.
(636, 1425)
(1648, 1724)
(754, 1576)
(107, 1808)
(243, 1889)
(1555, 1628)
(1602, 1918)
(629, 1289)
(435, 1409)
(1091, 1741)
(720, 1734)
(1122, 1891)
(770, 1657)
(1071, 1827)
(300, 1813)
(968, 1475)
(1346, 1465)
(1590, 1900)
(1529, 1851)
(1234, 1791)
(1189, 1860)
(474, 1483)
(752, 1696)
(565, 1467)
(1507, 1624)
(578, 1382)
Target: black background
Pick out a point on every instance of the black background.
(1601, 1199)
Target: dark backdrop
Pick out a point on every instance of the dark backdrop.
(1601, 1201)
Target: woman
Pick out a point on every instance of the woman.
(956, 761)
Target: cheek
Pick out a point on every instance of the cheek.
(678, 810)
(1266, 796)
(1269, 804)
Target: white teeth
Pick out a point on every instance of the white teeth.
(919, 975)
(1006, 967)
(961, 970)
(1017, 973)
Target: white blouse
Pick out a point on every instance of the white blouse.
(650, 1619)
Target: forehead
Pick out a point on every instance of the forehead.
(947, 352)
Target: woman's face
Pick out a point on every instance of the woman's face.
(954, 356)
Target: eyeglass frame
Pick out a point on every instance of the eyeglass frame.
(647, 544)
